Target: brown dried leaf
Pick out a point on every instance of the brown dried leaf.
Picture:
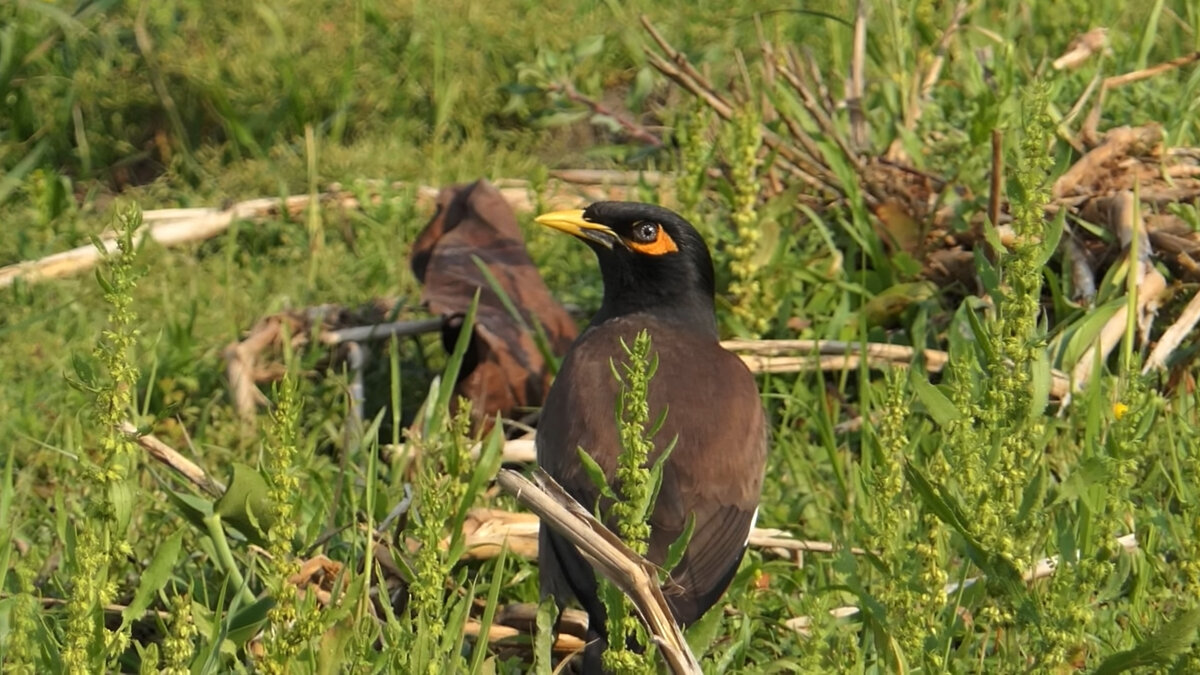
(503, 370)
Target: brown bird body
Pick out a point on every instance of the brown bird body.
(658, 277)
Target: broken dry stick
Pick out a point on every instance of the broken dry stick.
(636, 577)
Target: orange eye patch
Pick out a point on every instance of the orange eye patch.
(661, 245)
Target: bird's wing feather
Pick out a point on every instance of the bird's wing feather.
(716, 474)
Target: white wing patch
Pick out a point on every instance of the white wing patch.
(753, 522)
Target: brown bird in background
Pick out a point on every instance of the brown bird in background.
(658, 276)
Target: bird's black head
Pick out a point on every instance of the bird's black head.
(652, 260)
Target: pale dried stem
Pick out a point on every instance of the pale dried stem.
(175, 461)
(498, 635)
(610, 557)
(781, 356)
(1092, 123)
(856, 84)
(814, 158)
(174, 227)
(1174, 336)
(487, 531)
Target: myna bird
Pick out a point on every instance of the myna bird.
(658, 276)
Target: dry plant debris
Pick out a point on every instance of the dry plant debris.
(503, 370)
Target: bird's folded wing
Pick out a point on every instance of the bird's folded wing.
(711, 559)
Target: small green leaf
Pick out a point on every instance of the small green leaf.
(6, 533)
(489, 609)
(559, 119)
(1052, 237)
(543, 640)
(101, 280)
(1040, 380)
(677, 548)
(11, 180)
(466, 333)
(485, 470)
(1034, 494)
(937, 404)
(85, 371)
(657, 471)
(120, 495)
(983, 339)
(588, 47)
(596, 474)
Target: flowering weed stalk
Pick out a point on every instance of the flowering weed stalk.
(635, 491)
(290, 630)
(101, 536)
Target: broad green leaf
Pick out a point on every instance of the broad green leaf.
(1078, 484)
(249, 620)
(245, 504)
(704, 632)
(1157, 650)
(120, 495)
(192, 508)
(1088, 330)
(154, 577)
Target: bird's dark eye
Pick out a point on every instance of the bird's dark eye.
(645, 232)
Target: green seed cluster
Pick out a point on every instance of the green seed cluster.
(20, 648)
(634, 489)
(914, 594)
(633, 475)
(746, 290)
(179, 642)
(694, 155)
(291, 629)
(438, 491)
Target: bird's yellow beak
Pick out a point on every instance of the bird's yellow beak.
(571, 221)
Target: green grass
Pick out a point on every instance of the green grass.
(185, 103)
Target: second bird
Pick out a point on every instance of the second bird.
(658, 276)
